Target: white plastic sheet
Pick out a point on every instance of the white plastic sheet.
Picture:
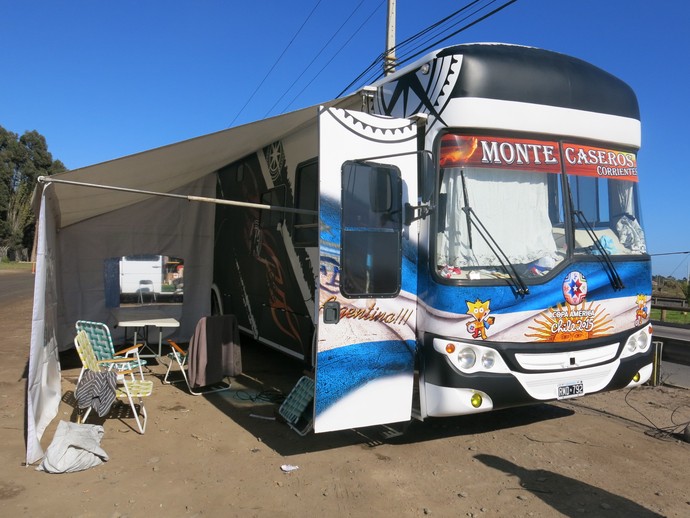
(75, 447)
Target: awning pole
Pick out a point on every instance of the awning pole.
(188, 197)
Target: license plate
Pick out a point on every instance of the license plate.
(571, 390)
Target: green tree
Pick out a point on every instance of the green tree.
(22, 160)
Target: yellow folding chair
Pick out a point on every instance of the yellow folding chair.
(126, 388)
(102, 344)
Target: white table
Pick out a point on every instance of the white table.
(136, 318)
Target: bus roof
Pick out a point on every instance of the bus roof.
(532, 75)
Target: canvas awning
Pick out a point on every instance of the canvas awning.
(168, 168)
(80, 227)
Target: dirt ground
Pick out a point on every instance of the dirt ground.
(602, 455)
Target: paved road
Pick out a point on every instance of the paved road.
(675, 369)
(671, 332)
(15, 284)
(675, 374)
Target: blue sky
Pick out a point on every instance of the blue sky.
(101, 79)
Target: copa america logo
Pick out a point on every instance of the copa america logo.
(574, 288)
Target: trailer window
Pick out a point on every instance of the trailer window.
(371, 230)
(143, 279)
(307, 197)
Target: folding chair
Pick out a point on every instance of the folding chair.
(146, 286)
(126, 388)
(212, 356)
(102, 344)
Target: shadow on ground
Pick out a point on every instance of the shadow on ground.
(568, 496)
(268, 377)
(255, 397)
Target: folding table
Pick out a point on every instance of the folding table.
(137, 318)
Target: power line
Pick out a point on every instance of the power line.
(435, 42)
(365, 77)
(471, 24)
(276, 63)
(323, 48)
(679, 264)
(433, 26)
(438, 28)
(335, 55)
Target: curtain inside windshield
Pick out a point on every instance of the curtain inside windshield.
(513, 206)
(501, 205)
(603, 187)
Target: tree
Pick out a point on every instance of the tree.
(22, 160)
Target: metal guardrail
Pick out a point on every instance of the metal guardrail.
(675, 339)
(664, 308)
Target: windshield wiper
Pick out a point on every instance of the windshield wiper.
(611, 271)
(473, 220)
(614, 277)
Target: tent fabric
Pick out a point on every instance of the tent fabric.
(81, 229)
(43, 383)
(168, 168)
(161, 226)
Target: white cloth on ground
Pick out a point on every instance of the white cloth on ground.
(75, 447)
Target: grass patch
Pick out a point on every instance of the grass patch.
(672, 316)
(13, 265)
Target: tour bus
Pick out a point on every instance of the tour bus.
(469, 239)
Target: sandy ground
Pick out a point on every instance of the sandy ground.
(602, 455)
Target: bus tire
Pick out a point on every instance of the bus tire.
(216, 301)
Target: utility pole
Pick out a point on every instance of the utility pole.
(389, 56)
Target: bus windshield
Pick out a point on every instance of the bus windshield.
(603, 189)
(513, 188)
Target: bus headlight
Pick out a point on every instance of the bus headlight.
(637, 343)
(467, 358)
(488, 359)
(472, 358)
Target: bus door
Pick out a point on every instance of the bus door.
(365, 333)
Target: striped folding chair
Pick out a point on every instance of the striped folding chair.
(102, 344)
(126, 389)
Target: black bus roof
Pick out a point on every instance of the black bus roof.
(533, 75)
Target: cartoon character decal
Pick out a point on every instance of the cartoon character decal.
(479, 311)
(642, 313)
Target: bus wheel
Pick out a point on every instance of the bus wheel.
(216, 304)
